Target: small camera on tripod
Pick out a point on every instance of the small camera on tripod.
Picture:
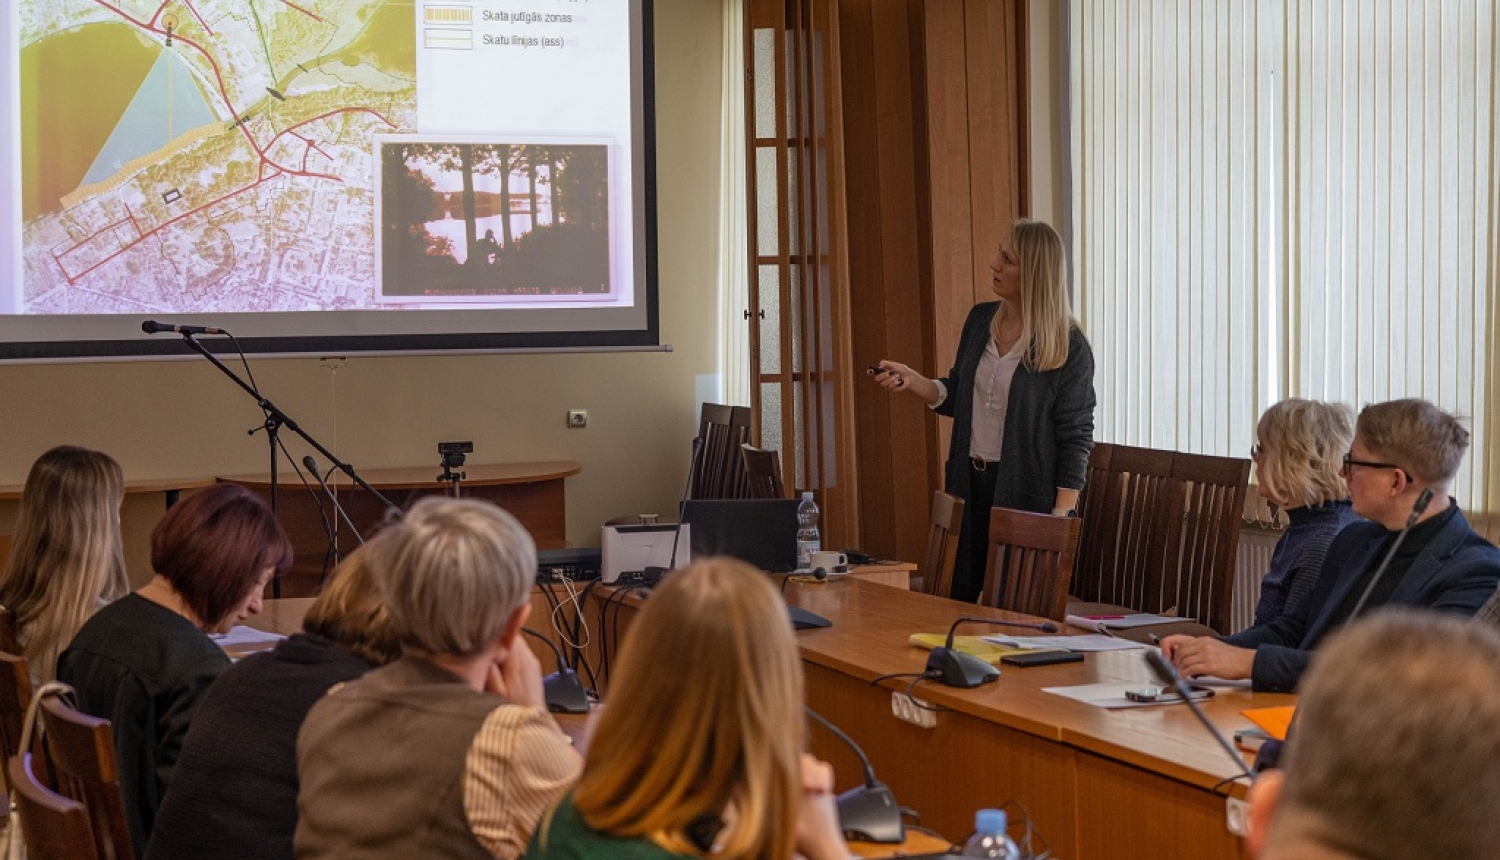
(453, 458)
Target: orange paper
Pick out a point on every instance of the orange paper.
(1275, 721)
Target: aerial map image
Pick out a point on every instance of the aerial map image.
(206, 155)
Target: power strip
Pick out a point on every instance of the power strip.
(908, 711)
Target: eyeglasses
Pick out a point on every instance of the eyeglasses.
(1256, 450)
(1350, 461)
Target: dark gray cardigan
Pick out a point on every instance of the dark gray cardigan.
(1049, 421)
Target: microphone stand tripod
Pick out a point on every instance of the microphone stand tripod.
(275, 420)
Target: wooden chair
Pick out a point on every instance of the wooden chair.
(935, 576)
(720, 472)
(55, 826)
(82, 752)
(15, 698)
(1123, 545)
(762, 473)
(1160, 531)
(1213, 510)
(1029, 562)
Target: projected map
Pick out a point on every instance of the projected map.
(218, 158)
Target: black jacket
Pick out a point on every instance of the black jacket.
(1049, 421)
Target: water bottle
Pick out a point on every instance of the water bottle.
(989, 839)
(809, 539)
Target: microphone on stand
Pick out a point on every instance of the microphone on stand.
(563, 690)
(154, 327)
(654, 573)
(312, 466)
(1167, 674)
(957, 669)
(1417, 509)
(867, 813)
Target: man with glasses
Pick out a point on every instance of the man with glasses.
(1401, 449)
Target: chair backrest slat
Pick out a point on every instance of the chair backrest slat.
(763, 473)
(55, 826)
(1030, 562)
(82, 750)
(943, 526)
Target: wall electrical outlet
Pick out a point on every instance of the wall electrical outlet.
(578, 418)
(909, 711)
(1237, 816)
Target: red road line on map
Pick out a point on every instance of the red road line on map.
(159, 9)
(72, 279)
(304, 11)
(189, 4)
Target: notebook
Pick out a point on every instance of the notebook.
(762, 532)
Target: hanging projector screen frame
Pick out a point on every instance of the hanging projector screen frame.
(564, 324)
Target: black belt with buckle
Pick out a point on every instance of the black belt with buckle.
(979, 464)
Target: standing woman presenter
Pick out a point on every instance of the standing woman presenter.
(1021, 396)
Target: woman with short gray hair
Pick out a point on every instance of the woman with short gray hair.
(449, 751)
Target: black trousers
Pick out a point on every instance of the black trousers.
(974, 538)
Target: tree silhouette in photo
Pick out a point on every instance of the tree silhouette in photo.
(534, 217)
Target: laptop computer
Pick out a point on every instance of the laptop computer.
(762, 532)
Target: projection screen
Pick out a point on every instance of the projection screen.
(327, 176)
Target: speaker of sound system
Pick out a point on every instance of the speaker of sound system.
(575, 563)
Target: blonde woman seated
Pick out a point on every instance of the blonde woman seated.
(67, 560)
(449, 751)
(1297, 468)
(707, 760)
(1297, 464)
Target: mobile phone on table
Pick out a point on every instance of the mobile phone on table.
(1042, 658)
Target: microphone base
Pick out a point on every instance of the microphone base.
(804, 620)
(869, 814)
(957, 669)
(565, 693)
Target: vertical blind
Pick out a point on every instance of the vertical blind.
(1287, 199)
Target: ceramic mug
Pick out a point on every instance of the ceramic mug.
(833, 562)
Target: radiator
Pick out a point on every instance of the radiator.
(1252, 560)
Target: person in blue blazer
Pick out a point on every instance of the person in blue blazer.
(1401, 449)
(1021, 396)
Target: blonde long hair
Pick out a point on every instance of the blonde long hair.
(706, 713)
(1046, 317)
(67, 554)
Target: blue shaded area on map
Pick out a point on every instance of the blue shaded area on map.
(167, 104)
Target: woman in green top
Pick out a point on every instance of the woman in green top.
(704, 759)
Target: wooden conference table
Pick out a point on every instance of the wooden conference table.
(1099, 784)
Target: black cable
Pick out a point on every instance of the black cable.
(331, 552)
(925, 676)
(579, 622)
(886, 677)
(249, 374)
(1225, 781)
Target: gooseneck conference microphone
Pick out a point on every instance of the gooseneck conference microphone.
(957, 669)
(154, 327)
(867, 813)
(1417, 509)
(312, 466)
(563, 690)
(1167, 674)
